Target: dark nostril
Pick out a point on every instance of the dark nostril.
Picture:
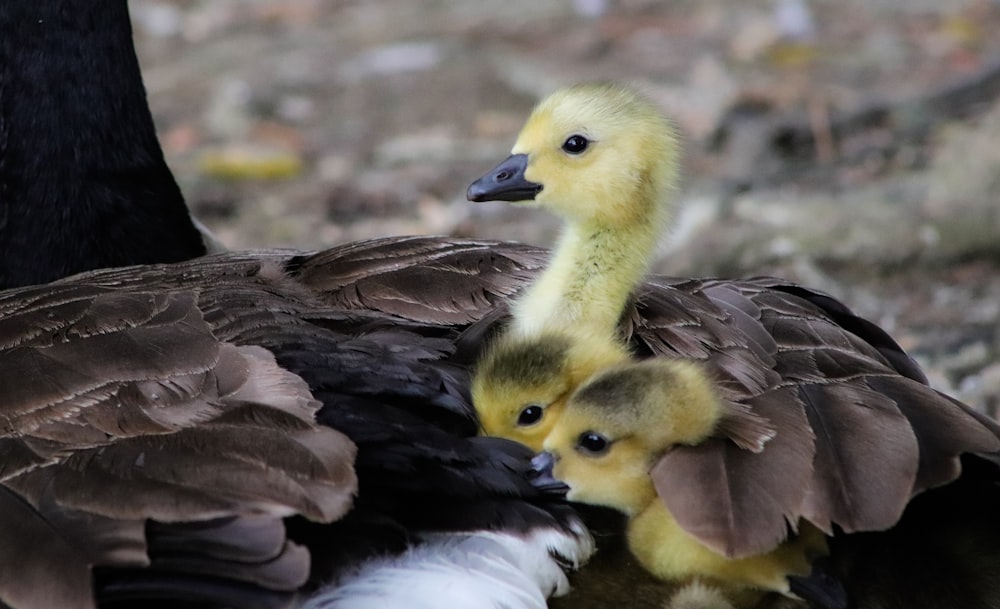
(540, 476)
(502, 176)
(542, 464)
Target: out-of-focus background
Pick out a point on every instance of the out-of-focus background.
(851, 145)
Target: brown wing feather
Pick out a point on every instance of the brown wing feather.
(121, 407)
(858, 432)
(945, 429)
(736, 501)
(424, 279)
(866, 458)
(63, 545)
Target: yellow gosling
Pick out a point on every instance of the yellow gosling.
(612, 431)
(604, 158)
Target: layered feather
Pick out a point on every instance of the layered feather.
(162, 423)
(859, 433)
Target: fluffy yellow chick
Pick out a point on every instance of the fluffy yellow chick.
(612, 431)
(604, 158)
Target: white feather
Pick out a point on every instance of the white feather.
(480, 570)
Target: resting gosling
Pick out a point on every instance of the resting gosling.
(618, 425)
(604, 158)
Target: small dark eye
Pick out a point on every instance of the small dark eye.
(575, 144)
(531, 414)
(593, 443)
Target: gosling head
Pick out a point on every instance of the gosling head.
(593, 153)
(521, 384)
(615, 427)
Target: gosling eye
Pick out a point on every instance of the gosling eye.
(592, 444)
(575, 144)
(531, 414)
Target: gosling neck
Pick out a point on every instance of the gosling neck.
(83, 182)
(593, 270)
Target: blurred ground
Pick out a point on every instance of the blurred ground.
(849, 145)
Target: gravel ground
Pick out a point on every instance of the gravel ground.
(307, 123)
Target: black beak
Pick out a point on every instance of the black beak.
(821, 586)
(505, 182)
(541, 477)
